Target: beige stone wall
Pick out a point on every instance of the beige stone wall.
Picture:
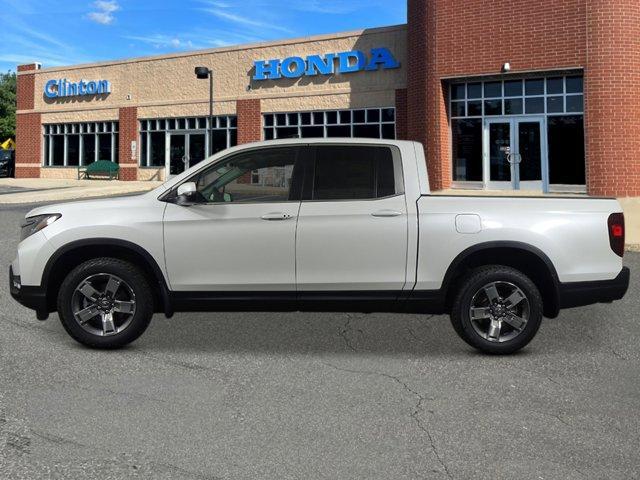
(166, 86)
(145, 174)
(59, 173)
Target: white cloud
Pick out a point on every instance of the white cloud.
(245, 21)
(104, 10)
(164, 41)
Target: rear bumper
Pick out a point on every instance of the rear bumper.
(577, 294)
(31, 297)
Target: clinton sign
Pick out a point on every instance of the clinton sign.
(328, 64)
(65, 88)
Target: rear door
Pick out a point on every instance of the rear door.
(352, 224)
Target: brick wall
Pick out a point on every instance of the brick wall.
(249, 120)
(28, 126)
(401, 114)
(612, 92)
(128, 132)
(475, 37)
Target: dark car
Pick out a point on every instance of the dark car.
(7, 163)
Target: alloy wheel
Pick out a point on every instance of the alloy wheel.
(103, 304)
(499, 311)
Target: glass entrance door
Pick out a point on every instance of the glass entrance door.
(185, 150)
(514, 153)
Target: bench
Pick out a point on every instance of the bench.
(101, 168)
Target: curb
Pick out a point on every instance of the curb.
(632, 248)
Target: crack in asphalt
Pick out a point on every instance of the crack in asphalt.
(343, 333)
(414, 414)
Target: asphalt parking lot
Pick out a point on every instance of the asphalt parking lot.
(335, 396)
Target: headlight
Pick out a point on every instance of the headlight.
(33, 225)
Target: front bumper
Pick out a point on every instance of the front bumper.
(578, 294)
(33, 297)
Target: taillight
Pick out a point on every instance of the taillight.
(616, 233)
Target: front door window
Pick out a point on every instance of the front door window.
(500, 152)
(185, 151)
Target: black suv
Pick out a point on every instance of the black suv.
(7, 163)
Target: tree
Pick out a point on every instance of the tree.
(7, 106)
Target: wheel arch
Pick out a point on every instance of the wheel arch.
(69, 256)
(530, 260)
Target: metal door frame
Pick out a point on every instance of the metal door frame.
(514, 183)
(187, 153)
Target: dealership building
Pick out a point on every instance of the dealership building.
(509, 94)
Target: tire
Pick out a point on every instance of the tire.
(497, 326)
(105, 303)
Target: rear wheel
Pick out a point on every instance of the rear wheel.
(497, 309)
(105, 303)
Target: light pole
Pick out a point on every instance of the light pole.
(203, 73)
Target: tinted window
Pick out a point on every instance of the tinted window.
(263, 175)
(353, 172)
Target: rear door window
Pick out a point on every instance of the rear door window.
(354, 172)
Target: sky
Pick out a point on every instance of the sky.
(58, 33)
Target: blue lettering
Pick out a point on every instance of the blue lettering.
(50, 89)
(318, 65)
(92, 88)
(104, 86)
(81, 89)
(346, 65)
(269, 70)
(298, 67)
(72, 89)
(382, 57)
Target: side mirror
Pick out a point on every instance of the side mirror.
(188, 195)
(186, 188)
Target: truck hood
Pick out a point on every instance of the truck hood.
(96, 205)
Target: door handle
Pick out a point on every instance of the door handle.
(386, 213)
(276, 216)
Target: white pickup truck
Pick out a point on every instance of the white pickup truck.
(318, 225)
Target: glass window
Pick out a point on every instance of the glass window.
(263, 175)
(457, 92)
(467, 149)
(566, 150)
(492, 89)
(513, 88)
(575, 84)
(57, 157)
(73, 150)
(555, 86)
(575, 103)
(493, 107)
(88, 148)
(513, 106)
(104, 147)
(474, 108)
(353, 172)
(534, 86)
(457, 109)
(366, 123)
(474, 90)
(156, 149)
(555, 104)
(534, 105)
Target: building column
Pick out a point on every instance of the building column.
(427, 120)
(612, 98)
(28, 125)
(249, 120)
(128, 133)
(401, 114)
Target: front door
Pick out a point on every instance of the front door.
(514, 153)
(185, 150)
(243, 238)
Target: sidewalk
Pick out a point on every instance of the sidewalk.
(34, 190)
(630, 206)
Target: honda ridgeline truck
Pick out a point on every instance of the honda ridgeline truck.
(318, 225)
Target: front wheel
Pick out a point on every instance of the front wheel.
(497, 309)
(105, 303)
